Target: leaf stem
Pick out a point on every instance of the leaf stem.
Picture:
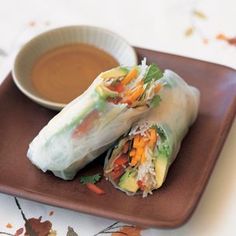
(4, 233)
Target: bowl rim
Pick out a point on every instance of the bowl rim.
(38, 99)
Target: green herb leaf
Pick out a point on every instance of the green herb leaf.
(154, 126)
(164, 149)
(154, 73)
(161, 133)
(90, 179)
(155, 101)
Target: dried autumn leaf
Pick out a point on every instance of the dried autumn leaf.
(129, 231)
(205, 41)
(9, 226)
(51, 213)
(199, 14)
(34, 226)
(189, 31)
(71, 232)
(232, 41)
(19, 232)
(221, 37)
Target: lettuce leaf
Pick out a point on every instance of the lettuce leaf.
(154, 73)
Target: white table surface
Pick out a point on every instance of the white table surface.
(154, 24)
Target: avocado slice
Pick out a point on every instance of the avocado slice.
(161, 168)
(128, 182)
(115, 72)
(105, 92)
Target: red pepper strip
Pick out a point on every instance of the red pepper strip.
(119, 166)
(141, 185)
(95, 189)
(121, 160)
(118, 87)
(117, 172)
(86, 124)
(19, 232)
(115, 100)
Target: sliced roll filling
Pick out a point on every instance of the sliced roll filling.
(136, 162)
(134, 86)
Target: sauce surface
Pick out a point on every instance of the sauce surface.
(63, 73)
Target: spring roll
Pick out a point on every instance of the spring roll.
(140, 160)
(88, 125)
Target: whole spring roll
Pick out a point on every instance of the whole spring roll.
(140, 161)
(88, 125)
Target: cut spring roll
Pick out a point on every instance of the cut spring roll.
(140, 161)
(88, 125)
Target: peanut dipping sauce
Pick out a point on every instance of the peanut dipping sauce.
(63, 73)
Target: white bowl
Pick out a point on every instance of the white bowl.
(31, 51)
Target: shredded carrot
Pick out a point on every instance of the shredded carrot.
(131, 91)
(143, 158)
(139, 141)
(136, 94)
(153, 135)
(134, 161)
(136, 141)
(130, 76)
(139, 151)
(140, 83)
(137, 155)
(95, 189)
(157, 88)
(144, 141)
(132, 153)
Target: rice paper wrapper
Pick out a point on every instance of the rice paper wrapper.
(58, 149)
(177, 111)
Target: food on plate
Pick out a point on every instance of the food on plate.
(89, 125)
(140, 160)
(90, 182)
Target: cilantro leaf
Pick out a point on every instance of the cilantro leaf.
(154, 73)
(90, 179)
(155, 101)
(161, 133)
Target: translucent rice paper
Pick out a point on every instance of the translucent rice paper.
(54, 148)
(175, 114)
(177, 111)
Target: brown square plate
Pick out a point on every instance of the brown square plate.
(171, 206)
